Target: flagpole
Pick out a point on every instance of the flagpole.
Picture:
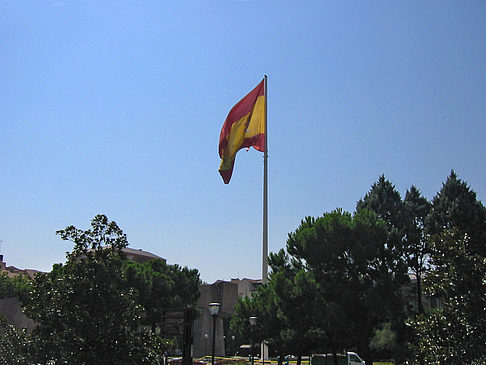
(265, 195)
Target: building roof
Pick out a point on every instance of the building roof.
(13, 271)
(139, 255)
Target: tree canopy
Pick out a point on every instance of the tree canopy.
(17, 286)
(85, 311)
(456, 332)
(333, 285)
(99, 307)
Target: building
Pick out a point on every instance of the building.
(13, 271)
(226, 293)
(11, 308)
(140, 256)
(246, 287)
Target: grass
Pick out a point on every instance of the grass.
(239, 361)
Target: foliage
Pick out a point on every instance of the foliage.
(161, 286)
(356, 269)
(385, 201)
(356, 265)
(331, 288)
(384, 340)
(86, 312)
(405, 245)
(414, 213)
(455, 207)
(17, 286)
(300, 308)
(270, 325)
(456, 332)
(260, 304)
(15, 345)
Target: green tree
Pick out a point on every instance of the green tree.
(300, 308)
(415, 210)
(286, 308)
(356, 269)
(456, 207)
(260, 304)
(400, 251)
(455, 333)
(15, 345)
(384, 341)
(17, 286)
(161, 286)
(251, 306)
(85, 311)
(386, 202)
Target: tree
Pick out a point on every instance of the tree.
(456, 207)
(15, 345)
(300, 308)
(384, 341)
(415, 210)
(455, 333)
(18, 286)
(384, 200)
(356, 271)
(401, 249)
(260, 304)
(85, 311)
(287, 310)
(161, 286)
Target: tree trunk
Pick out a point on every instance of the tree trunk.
(419, 294)
(365, 350)
(334, 354)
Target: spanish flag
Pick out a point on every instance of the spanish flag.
(244, 127)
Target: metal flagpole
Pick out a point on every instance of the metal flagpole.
(265, 196)
(264, 347)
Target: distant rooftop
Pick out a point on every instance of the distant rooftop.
(137, 255)
(140, 256)
(14, 271)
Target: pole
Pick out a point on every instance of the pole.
(265, 195)
(252, 351)
(214, 338)
(265, 209)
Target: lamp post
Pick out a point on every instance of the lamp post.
(214, 310)
(206, 344)
(253, 321)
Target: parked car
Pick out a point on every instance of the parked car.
(245, 350)
(350, 358)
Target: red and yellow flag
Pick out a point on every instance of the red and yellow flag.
(244, 127)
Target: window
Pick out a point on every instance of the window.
(354, 358)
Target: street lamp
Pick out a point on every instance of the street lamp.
(214, 310)
(206, 344)
(253, 321)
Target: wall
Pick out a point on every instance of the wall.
(11, 309)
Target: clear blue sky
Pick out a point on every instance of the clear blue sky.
(115, 107)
